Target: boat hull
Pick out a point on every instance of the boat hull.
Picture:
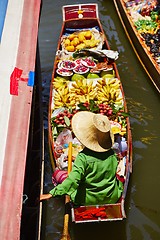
(113, 211)
(18, 62)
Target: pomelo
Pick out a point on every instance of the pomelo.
(108, 74)
(77, 76)
(92, 75)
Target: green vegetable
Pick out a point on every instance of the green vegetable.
(143, 24)
(154, 16)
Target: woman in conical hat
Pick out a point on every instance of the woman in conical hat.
(93, 177)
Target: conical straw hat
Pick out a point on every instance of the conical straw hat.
(93, 130)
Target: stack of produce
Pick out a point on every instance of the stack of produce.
(85, 80)
(90, 38)
(101, 95)
(146, 18)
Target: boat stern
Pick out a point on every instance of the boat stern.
(98, 213)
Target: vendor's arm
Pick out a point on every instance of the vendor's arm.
(71, 183)
(45, 196)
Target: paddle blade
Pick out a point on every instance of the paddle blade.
(65, 237)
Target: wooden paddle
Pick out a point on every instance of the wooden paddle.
(65, 235)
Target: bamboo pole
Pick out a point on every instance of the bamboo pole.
(65, 235)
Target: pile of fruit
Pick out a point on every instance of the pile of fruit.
(146, 18)
(85, 80)
(103, 90)
(82, 39)
(101, 95)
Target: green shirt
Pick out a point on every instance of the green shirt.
(92, 179)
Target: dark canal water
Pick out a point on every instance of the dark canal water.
(143, 198)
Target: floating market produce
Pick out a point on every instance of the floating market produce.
(141, 21)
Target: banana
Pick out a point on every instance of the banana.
(115, 85)
(74, 85)
(117, 93)
(57, 96)
(72, 95)
(90, 89)
(111, 80)
(58, 105)
(104, 100)
(103, 91)
(59, 83)
(66, 91)
(101, 82)
(84, 82)
(118, 103)
(90, 86)
(106, 89)
(88, 98)
(90, 82)
(99, 86)
(82, 99)
(92, 93)
(113, 94)
(79, 83)
(119, 99)
(75, 91)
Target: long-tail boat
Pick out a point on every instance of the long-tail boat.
(85, 77)
(141, 23)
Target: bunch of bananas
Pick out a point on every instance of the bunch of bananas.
(59, 83)
(63, 98)
(108, 91)
(83, 90)
(112, 82)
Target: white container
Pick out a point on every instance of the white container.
(116, 147)
(123, 145)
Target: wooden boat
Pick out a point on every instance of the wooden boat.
(142, 27)
(20, 121)
(69, 94)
